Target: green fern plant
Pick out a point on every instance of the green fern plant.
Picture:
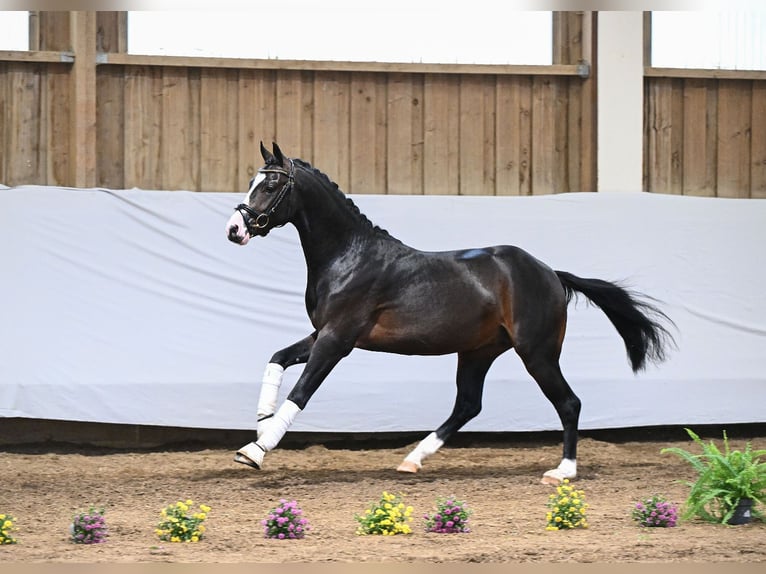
(724, 478)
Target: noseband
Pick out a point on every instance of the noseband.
(255, 220)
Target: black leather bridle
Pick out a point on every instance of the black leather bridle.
(255, 220)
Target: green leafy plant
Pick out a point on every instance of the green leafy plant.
(388, 516)
(566, 508)
(724, 478)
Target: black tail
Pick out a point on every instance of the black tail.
(639, 323)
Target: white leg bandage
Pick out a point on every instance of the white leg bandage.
(278, 425)
(272, 379)
(425, 448)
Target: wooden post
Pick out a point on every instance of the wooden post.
(82, 153)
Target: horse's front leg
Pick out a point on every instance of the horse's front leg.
(323, 354)
(296, 354)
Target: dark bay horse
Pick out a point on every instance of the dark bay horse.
(366, 289)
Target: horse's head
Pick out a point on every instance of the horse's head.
(267, 204)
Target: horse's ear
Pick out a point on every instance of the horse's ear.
(267, 156)
(278, 156)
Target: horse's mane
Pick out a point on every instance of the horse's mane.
(347, 201)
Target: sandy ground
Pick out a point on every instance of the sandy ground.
(43, 487)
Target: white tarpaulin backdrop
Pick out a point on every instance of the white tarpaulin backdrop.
(133, 307)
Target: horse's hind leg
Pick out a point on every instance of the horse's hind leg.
(544, 368)
(471, 370)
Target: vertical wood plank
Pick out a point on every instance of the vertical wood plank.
(367, 133)
(83, 100)
(526, 136)
(404, 142)
(677, 138)
(472, 133)
(508, 136)
(257, 120)
(734, 129)
(179, 136)
(295, 113)
(110, 126)
(758, 142)
(54, 30)
(143, 123)
(332, 126)
(441, 130)
(571, 179)
(112, 31)
(57, 125)
(560, 151)
(543, 141)
(660, 125)
(4, 132)
(695, 135)
(219, 106)
(23, 124)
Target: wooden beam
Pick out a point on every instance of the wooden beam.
(699, 73)
(82, 152)
(331, 66)
(47, 56)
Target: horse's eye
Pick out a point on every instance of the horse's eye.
(273, 180)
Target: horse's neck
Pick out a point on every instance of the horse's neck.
(327, 227)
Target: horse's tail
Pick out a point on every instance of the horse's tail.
(638, 322)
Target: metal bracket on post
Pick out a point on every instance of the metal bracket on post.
(583, 69)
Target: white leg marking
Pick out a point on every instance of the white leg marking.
(566, 469)
(425, 448)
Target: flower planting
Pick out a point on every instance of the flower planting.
(285, 521)
(451, 516)
(566, 508)
(180, 524)
(655, 512)
(89, 527)
(6, 528)
(388, 516)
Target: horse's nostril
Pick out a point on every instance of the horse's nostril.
(233, 231)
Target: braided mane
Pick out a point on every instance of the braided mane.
(348, 202)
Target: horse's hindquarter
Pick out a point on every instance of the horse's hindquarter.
(433, 303)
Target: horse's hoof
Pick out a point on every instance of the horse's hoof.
(251, 454)
(409, 467)
(552, 480)
(242, 459)
(553, 477)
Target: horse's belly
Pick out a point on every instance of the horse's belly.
(421, 336)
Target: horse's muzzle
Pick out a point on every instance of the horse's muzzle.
(236, 230)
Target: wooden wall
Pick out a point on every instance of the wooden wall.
(372, 132)
(77, 110)
(705, 133)
(196, 123)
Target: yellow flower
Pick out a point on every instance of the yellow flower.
(195, 538)
(7, 524)
(204, 508)
(175, 539)
(558, 519)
